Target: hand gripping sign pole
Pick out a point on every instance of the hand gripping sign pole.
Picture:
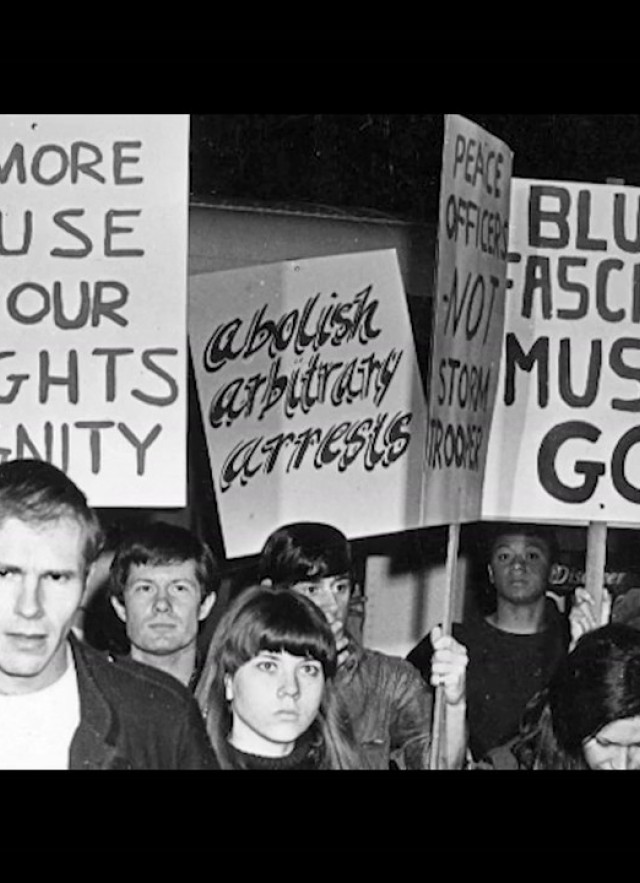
(437, 758)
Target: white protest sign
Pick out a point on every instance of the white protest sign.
(468, 319)
(310, 394)
(565, 440)
(93, 251)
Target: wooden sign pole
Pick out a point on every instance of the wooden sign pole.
(438, 736)
(595, 564)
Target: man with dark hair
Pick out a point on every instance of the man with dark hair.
(63, 705)
(389, 705)
(514, 650)
(162, 580)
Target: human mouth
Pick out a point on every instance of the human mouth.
(26, 642)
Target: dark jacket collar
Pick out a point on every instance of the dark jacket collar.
(94, 743)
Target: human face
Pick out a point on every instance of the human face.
(330, 593)
(520, 567)
(274, 698)
(162, 607)
(615, 747)
(42, 573)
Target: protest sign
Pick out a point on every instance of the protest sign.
(93, 250)
(468, 319)
(564, 444)
(310, 395)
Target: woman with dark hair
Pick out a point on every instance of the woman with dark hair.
(266, 687)
(589, 715)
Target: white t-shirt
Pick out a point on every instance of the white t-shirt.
(36, 729)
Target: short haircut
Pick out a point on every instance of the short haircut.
(304, 550)
(37, 492)
(492, 532)
(159, 543)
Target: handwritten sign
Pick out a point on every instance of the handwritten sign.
(310, 396)
(469, 319)
(93, 250)
(565, 445)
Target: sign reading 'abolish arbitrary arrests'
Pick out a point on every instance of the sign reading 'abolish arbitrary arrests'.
(93, 250)
(565, 444)
(468, 321)
(310, 396)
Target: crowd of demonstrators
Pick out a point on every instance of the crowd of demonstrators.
(162, 585)
(513, 650)
(588, 717)
(389, 704)
(63, 705)
(267, 690)
(284, 683)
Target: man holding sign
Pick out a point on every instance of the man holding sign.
(513, 651)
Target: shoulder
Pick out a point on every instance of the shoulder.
(391, 669)
(131, 683)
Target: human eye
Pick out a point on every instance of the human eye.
(312, 669)
(181, 588)
(343, 586)
(6, 572)
(266, 665)
(308, 589)
(142, 588)
(58, 576)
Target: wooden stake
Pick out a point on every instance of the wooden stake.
(438, 735)
(595, 564)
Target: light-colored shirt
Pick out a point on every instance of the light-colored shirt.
(36, 729)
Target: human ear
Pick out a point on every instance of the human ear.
(119, 608)
(206, 605)
(228, 688)
(490, 572)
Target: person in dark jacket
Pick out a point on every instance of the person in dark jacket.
(162, 581)
(515, 649)
(64, 705)
(389, 704)
(267, 687)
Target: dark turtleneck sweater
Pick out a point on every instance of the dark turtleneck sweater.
(305, 756)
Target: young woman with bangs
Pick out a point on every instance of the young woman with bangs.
(266, 690)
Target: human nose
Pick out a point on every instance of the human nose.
(518, 562)
(161, 600)
(289, 685)
(328, 603)
(622, 759)
(28, 602)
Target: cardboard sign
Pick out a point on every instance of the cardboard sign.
(310, 394)
(468, 321)
(93, 251)
(565, 444)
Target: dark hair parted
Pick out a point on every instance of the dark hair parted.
(37, 492)
(159, 543)
(596, 684)
(304, 550)
(274, 619)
